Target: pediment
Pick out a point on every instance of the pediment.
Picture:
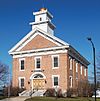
(37, 39)
(38, 42)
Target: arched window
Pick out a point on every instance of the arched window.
(76, 67)
(81, 69)
(71, 64)
(71, 81)
(38, 76)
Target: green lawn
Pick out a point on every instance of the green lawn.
(60, 99)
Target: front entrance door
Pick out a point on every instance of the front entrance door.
(38, 84)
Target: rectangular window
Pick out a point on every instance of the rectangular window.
(55, 80)
(21, 82)
(22, 64)
(55, 61)
(37, 62)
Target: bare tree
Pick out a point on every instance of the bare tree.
(3, 74)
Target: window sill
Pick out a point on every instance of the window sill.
(22, 70)
(55, 68)
(55, 86)
(22, 87)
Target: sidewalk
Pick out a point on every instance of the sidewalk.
(15, 99)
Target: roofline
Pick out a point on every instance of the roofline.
(74, 50)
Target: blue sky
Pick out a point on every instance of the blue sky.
(75, 20)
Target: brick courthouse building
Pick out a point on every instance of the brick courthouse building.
(41, 60)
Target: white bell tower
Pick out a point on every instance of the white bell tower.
(43, 21)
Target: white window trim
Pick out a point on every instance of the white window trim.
(84, 71)
(39, 57)
(71, 81)
(53, 61)
(20, 64)
(53, 80)
(76, 67)
(71, 63)
(81, 69)
(20, 81)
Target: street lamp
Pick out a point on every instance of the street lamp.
(89, 39)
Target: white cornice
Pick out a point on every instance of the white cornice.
(38, 50)
(41, 22)
(40, 53)
(74, 53)
(38, 22)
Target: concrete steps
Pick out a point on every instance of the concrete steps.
(32, 93)
(38, 93)
(26, 93)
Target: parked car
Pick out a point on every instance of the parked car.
(97, 94)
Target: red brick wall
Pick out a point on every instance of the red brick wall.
(46, 65)
(37, 43)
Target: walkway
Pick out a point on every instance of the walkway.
(15, 99)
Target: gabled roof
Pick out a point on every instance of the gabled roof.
(60, 44)
(33, 33)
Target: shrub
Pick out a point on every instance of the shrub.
(59, 93)
(69, 92)
(14, 91)
(72, 92)
(50, 92)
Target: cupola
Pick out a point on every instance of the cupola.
(43, 21)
